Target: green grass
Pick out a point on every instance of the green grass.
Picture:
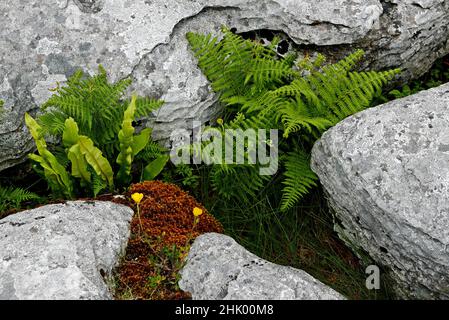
(302, 237)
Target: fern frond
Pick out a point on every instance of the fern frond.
(264, 91)
(295, 117)
(356, 92)
(151, 151)
(299, 178)
(98, 184)
(2, 103)
(145, 106)
(87, 100)
(264, 72)
(346, 64)
(11, 197)
(323, 99)
(96, 105)
(238, 67)
(53, 122)
(238, 182)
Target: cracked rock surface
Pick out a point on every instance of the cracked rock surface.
(62, 251)
(218, 268)
(42, 42)
(386, 173)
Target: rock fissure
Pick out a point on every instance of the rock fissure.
(147, 42)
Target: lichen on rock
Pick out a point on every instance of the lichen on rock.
(145, 40)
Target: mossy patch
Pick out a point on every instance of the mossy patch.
(161, 234)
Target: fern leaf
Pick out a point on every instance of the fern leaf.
(357, 91)
(55, 173)
(238, 182)
(144, 106)
(96, 160)
(52, 122)
(151, 151)
(346, 64)
(153, 169)
(262, 90)
(11, 197)
(126, 138)
(98, 184)
(299, 178)
(294, 116)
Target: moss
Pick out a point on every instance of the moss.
(160, 241)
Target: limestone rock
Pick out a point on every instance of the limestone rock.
(386, 173)
(42, 42)
(219, 268)
(62, 251)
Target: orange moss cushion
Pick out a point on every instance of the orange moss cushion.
(164, 209)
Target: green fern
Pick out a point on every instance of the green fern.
(98, 184)
(11, 197)
(55, 173)
(238, 67)
(300, 98)
(154, 168)
(96, 105)
(237, 181)
(83, 156)
(95, 124)
(151, 151)
(299, 178)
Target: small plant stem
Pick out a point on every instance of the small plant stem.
(189, 237)
(140, 220)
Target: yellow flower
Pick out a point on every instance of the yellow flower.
(220, 121)
(137, 197)
(197, 212)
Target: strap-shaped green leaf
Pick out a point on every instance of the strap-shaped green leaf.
(126, 138)
(70, 138)
(35, 130)
(55, 173)
(155, 167)
(79, 164)
(50, 174)
(70, 135)
(141, 140)
(95, 159)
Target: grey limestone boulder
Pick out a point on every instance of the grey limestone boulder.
(386, 173)
(42, 42)
(219, 268)
(62, 251)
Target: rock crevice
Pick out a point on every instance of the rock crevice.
(146, 40)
